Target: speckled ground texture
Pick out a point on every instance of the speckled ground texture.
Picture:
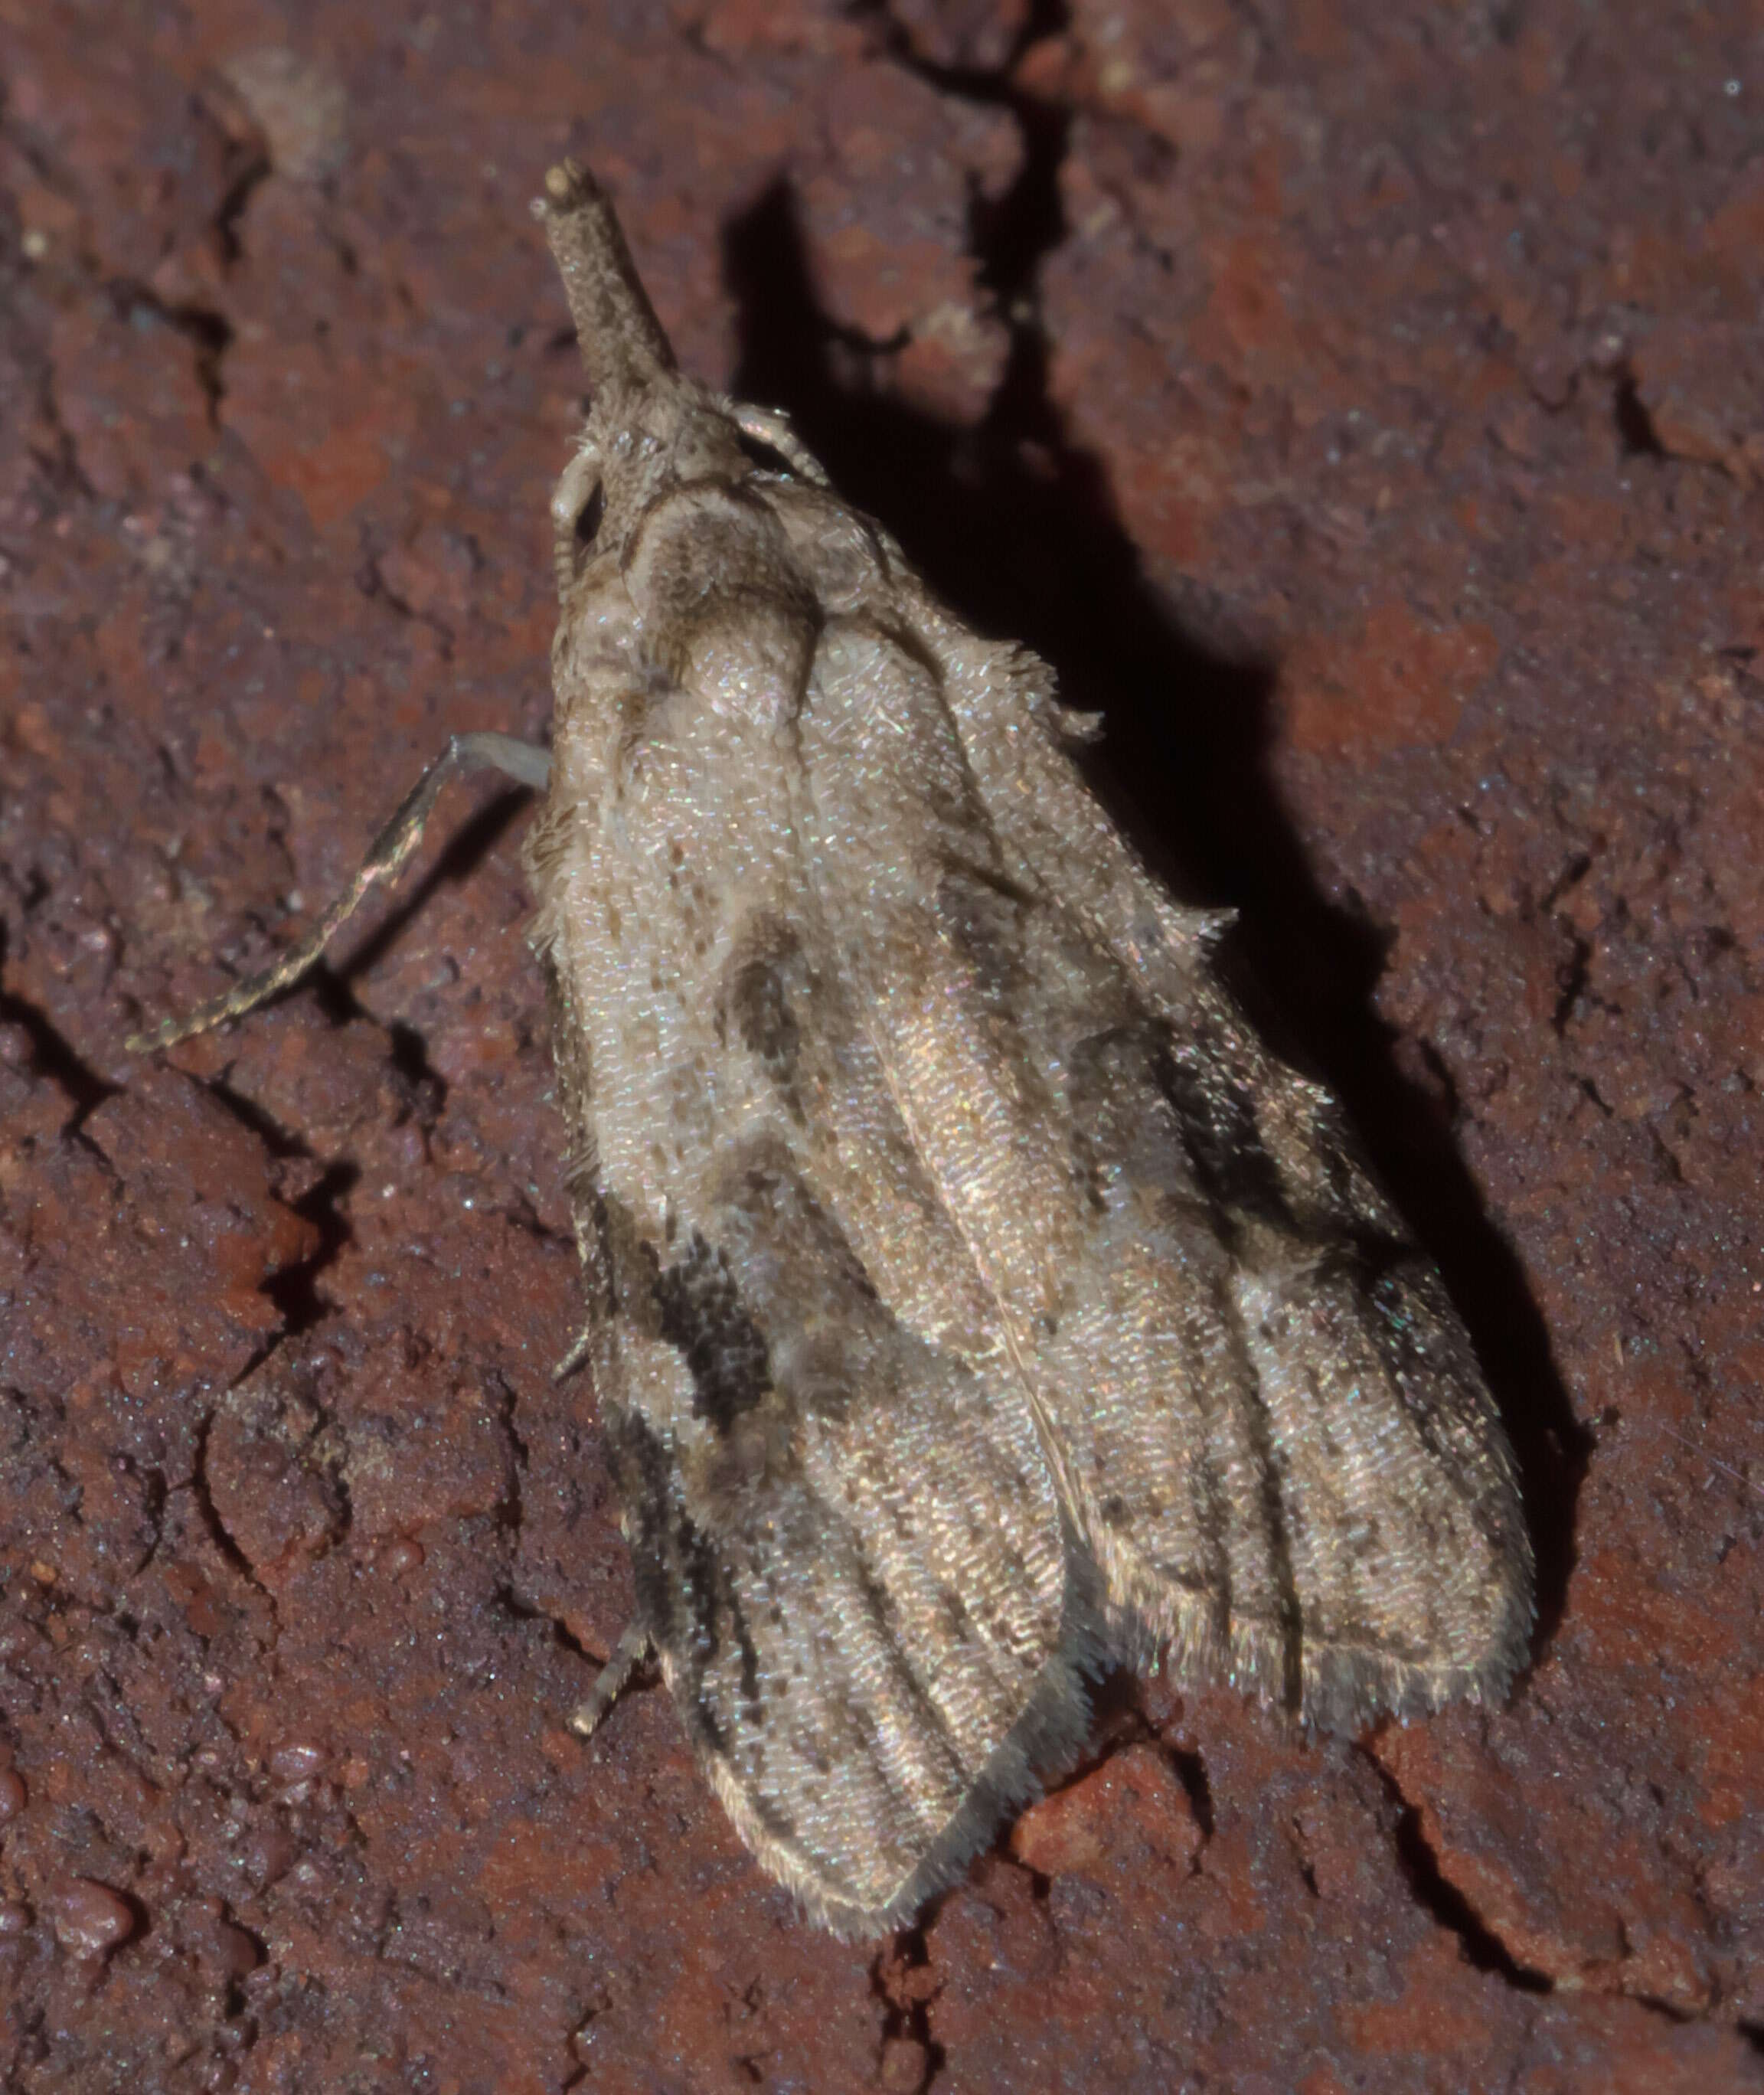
(1362, 405)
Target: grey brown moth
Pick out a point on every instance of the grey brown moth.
(974, 1301)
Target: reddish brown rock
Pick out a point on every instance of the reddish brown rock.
(90, 1919)
(1698, 394)
(1130, 1815)
(1359, 407)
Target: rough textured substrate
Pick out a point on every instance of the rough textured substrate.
(1363, 405)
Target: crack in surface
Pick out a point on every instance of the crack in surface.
(372, 580)
(219, 1533)
(906, 2004)
(1635, 428)
(255, 168)
(293, 1288)
(1444, 1901)
(54, 1058)
(208, 331)
(57, 1061)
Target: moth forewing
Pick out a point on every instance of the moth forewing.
(973, 1300)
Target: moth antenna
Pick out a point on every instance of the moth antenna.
(622, 344)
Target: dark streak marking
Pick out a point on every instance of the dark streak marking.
(1216, 1114)
(701, 1314)
(759, 1005)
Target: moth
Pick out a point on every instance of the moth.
(974, 1301)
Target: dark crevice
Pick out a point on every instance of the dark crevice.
(1590, 1090)
(1671, 1172)
(1577, 868)
(253, 168)
(61, 466)
(269, 1130)
(55, 1059)
(295, 1289)
(208, 332)
(410, 1058)
(330, 983)
(217, 1528)
(907, 2009)
(1635, 425)
(520, 1213)
(371, 580)
(986, 83)
(1191, 1771)
(509, 1508)
(1014, 525)
(1439, 1070)
(1483, 1948)
(516, 1605)
(645, 1675)
(1571, 979)
(1436, 1894)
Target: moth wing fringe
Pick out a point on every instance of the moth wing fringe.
(1044, 1743)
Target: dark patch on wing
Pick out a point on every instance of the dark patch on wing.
(1121, 1121)
(684, 1597)
(835, 1341)
(758, 1002)
(652, 1516)
(981, 912)
(701, 1314)
(1215, 1108)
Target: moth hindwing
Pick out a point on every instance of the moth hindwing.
(974, 1301)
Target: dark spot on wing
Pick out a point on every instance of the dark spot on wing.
(653, 1519)
(1129, 1131)
(981, 912)
(686, 1597)
(759, 1006)
(1216, 1111)
(700, 1311)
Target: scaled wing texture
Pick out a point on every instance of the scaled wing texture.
(974, 1299)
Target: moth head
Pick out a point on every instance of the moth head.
(649, 428)
(637, 445)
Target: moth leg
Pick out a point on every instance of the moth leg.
(578, 1350)
(632, 1650)
(523, 761)
(769, 425)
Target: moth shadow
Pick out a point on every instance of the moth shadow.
(1014, 526)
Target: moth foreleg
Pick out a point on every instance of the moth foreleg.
(768, 425)
(631, 1651)
(523, 761)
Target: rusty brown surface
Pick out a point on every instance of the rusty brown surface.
(1362, 405)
